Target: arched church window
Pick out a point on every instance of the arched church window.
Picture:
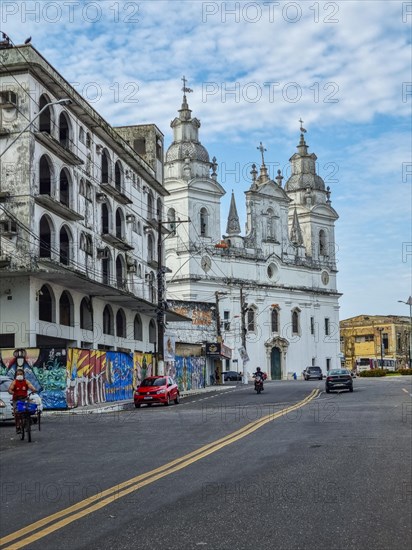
(203, 222)
(270, 225)
(296, 321)
(323, 250)
(275, 319)
(250, 320)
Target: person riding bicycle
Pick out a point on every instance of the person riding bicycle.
(19, 389)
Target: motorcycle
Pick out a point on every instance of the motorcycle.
(259, 383)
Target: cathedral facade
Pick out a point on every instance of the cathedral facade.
(270, 294)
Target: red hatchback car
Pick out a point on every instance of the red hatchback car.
(156, 389)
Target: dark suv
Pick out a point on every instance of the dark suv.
(312, 372)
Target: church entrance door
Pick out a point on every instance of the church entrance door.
(275, 367)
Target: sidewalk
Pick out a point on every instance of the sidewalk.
(106, 407)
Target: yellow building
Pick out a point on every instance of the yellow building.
(372, 341)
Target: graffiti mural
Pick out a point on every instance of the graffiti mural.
(86, 371)
(189, 372)
(142, 366)
(119, 376)
(45, 369)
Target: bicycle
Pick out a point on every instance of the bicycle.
(29, 413)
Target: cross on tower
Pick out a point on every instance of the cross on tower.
(302, 129)
(262, 150)
(185, 90)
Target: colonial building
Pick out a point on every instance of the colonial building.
(78, 200)
(375, 341)
(269, 294)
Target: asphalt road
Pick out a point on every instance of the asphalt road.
(335, 472)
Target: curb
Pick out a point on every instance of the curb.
(128, 404)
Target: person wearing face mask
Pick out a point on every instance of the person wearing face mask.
(19, 389)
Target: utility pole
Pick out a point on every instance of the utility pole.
(243, 309)
(409, 303)
(160, 300)
(218, 293)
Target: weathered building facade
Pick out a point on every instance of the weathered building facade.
(376, 341)
(271, 292)
(78, 200)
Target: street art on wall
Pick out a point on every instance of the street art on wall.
(142, 366)
(45, 368)
(78, 377)
(86, 371)
(189, 372)
(119, 376)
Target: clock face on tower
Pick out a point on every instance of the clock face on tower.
(206, 263)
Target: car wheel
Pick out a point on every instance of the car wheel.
(351, 389)
(177, 400)
(327, 390)
(167, 402)
(137, 405)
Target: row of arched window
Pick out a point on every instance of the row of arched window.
(113, 270)
(111, 323)
(62, 130)
(252, 314)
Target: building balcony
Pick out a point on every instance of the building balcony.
(58, 208)
(62, 152)
(116, 193)
(116, 242)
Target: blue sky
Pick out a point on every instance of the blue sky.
(255, 68)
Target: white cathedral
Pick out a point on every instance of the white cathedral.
(269, 295)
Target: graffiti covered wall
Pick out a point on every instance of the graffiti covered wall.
(143, 365)
(78, 377)
(189, 372)
(45, 369)
(86, 377)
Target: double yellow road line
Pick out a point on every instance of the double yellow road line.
(49, 524)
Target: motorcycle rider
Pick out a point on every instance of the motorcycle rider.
(259, 375)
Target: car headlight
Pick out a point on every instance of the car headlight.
(2, 403)
(161, 391)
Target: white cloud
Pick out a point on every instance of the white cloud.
(141, 50)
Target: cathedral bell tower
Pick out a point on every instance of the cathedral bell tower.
(311, 208)
(191, 180)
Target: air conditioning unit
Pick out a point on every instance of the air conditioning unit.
(8, 99)
(102, 254)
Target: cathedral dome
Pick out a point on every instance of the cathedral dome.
(302, 181)
(187, 149)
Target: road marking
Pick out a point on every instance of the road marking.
(406, 391)
(89, 505)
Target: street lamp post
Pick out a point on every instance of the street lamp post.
(409, 303)
(380, 329)
(64, 101)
